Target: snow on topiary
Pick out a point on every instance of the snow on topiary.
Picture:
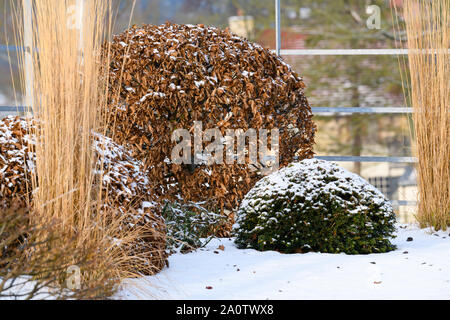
(318, 206)
(123, 178)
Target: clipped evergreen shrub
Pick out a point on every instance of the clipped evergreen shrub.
(317, 206)
(190, 226)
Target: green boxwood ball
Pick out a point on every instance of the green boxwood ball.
(317, 206)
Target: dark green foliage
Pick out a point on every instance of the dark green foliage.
(190, 226)
(315, 206)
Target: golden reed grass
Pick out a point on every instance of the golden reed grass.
(426, 25)
(69, 85)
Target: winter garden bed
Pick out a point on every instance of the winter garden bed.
(340, 232)
(312, 208)
(418, 269)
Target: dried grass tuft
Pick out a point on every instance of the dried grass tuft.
(69, 85)
(426, 24)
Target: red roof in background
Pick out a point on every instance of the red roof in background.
(398, 3)
(289, 39)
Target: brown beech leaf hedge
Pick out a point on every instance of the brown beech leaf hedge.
(164, 78)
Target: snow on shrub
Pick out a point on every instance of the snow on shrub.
(315, 205)
(16, 161)
(122, 176)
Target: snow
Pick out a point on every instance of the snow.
(153, 94)
(199, 83)
(20, 288)
(419, 269)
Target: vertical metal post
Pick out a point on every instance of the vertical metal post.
(278, 26)
(28, 47)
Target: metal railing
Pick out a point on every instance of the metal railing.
(317, 110)
(368, 159)
(342, 52)
(4, 48)
(371, 110)
(344, 111)
(11, 109)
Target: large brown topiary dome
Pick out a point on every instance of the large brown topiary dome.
(174, 75)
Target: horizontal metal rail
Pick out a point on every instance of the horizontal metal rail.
(317, 110)
(13, 109)
(377, 110)
(343, 52)
(4, 48)
(368, 159)
(351, 52)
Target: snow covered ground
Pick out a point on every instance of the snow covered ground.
(418, 269)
